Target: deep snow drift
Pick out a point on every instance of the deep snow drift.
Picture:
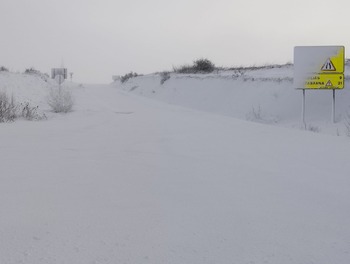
(261, 94)
(126, 179)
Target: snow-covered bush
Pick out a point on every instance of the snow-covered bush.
(60, 100)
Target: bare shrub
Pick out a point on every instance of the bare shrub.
(313, 128)
(31, 70)
(199, 66)
(254, 67)
(237, 73)
(29, 112)
(164, 76)
(127, 76)
(255, 114)
(347, 124)
(60, 100)
(184, 69)
(133, 88)
(8, 108)
(3, 69)
(203, 66)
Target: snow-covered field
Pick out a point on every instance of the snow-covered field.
(126, 179)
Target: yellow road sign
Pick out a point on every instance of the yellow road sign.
(319, 67)
(324, 81)
(335, 63)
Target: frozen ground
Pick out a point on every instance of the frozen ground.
(126, 179)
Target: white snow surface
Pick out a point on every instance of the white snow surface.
(261, 94)
(126, 179)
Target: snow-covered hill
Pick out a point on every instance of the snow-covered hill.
(260, 94)
(126, 179)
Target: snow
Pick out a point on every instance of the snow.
(260, 94)
(126, 179)
(26, 87)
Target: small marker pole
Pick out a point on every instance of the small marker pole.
(303, 110)
(333, 107)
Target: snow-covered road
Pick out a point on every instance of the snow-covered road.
(125, 179)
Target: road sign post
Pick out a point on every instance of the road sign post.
(333, 107)
(59, 74)
(303, 111)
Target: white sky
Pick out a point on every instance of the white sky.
(99, 38)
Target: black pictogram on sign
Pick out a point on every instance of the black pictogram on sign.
(329, 83)
(328, 66)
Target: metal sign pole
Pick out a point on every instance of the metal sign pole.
(333, 107)
(303, 110)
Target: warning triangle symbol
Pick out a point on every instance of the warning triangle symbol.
(329, 83)
(328, 66)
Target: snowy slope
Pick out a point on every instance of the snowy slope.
(263, 95)
(31, 88)
(125, 179)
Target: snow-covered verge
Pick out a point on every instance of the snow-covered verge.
(262, 94)
(33, 89)
(125, 179)
(29, 88)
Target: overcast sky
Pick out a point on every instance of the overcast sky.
(96, 39)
